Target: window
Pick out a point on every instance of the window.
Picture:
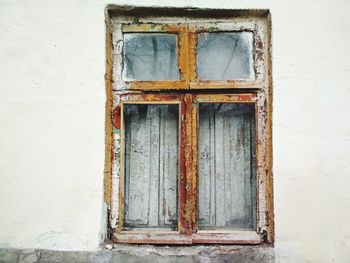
(189, 126)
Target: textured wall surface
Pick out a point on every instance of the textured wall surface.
(144, 254)
(52, 101)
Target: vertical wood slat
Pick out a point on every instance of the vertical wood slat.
(226, 166)
(151, 151)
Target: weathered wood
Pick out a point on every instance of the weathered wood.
(226, 84)
(189, 162)
(237, 237)
(192, 63)
(226, 166)
(156, 85)
(183, 224)
(151, 161)
(152, 238)
(228, 98)
(194, 188)
(109, 156)
(187, 30)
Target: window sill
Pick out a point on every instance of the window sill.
(202, 237)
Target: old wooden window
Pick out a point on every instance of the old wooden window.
(190, 133)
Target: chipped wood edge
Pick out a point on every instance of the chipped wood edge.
(158, 239)
(235, 237)
(108, 122)
(182, 225)
(264, 143)
(188, 163)
(121, 169)
(194, 190)
(269, 146)
(225, 84)
(226, 98)
(156, 85)
(151, 27)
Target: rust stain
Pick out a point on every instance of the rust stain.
(171, 28)
(194, 133)
(259, 49)
(116, 117)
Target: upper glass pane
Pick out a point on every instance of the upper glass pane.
(225, 56)
(149, 56)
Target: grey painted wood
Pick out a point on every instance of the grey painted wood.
(151, 165)
(227, 174)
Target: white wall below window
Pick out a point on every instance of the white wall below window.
(52, 65)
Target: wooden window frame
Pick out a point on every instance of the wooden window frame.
(188, 93)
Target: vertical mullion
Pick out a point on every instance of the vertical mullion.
(189, 163)
(186, 167)
(185, 184)
(182, 168)
(194, 168)
(184, 54)
(192, 56)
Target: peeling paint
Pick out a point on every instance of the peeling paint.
(188, 92)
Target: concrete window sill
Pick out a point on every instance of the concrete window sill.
(145, 253)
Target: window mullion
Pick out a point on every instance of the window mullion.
(182, 224)
(183, 54)
(194, 168)
(186, 167)
(192, 51)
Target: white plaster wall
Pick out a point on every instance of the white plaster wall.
(52, 123)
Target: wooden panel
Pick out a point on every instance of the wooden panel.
(151, 165)
(227, 176)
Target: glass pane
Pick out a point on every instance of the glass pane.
(225, 56)
(150, 57)
(227, 175)
(151, 166)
